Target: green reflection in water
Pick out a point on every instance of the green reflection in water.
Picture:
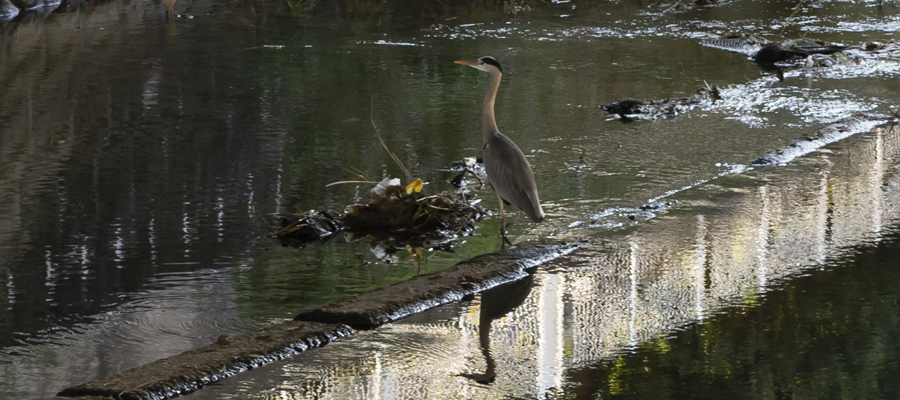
(285, 277)
(829, 335)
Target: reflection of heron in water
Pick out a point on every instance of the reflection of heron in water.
(495, 303)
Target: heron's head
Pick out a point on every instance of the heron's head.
(487, 63)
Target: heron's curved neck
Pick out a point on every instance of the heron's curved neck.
(489, 123)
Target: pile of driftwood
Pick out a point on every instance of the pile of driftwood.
(630, 109)
(393, 212)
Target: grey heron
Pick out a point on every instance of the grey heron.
(507, 169)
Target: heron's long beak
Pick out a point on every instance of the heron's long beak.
(470, 63)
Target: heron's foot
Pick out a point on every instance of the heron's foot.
(505, 240)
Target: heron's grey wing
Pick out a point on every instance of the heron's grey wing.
(511, 175)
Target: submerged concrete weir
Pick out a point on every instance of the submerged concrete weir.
(423, 292)
(860, 122)
(191, 370)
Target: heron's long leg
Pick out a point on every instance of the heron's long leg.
(503, 226)
(502, 217)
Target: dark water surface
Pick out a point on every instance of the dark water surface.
(143, 161)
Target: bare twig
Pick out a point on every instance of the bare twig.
(264, 220)
(343, 182)
(393, 156)
(170, 10)
(354, 170)
(793, 14)
(434, 196)
(480, 182)
(288, 229)
(672, 7)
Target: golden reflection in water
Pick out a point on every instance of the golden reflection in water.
(550, 342)
(698, 267)
(877, 181)
(762, 241)
(822, 218)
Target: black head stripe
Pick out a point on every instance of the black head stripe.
(492, 61)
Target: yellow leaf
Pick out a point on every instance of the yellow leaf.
(415, 253)
(414, 187)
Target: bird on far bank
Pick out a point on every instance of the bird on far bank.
(507, 169)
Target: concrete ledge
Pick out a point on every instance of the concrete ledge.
(388, 304)
(189, 371)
